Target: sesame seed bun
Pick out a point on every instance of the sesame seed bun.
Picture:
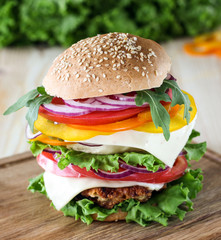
(107, 64)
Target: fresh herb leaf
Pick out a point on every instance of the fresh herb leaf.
(22, 102)
(178, 96)
(33, 103)
(160, 116)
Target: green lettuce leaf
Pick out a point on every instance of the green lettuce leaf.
(37, 185)
(105, 162)
(175, 200)
(194, 151)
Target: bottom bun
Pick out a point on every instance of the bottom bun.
(119, 215)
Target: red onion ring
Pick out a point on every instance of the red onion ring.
(49, 150)
(90, 144)
(64, 110)
(30, 134)
(108, 175)
(139, 169)
(112, 102)
(122, 97)
(170, 77)
(93, 106)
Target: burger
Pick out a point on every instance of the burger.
(112, 130)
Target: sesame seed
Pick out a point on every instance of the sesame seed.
(85, 80)
(105, 58)
(118, 76)
(88, 75)
(143, 74)
(97, 79)
(78, 75)
(106, 65)
(98, 65)
(100, 90)
(104, 75)
(93, 76)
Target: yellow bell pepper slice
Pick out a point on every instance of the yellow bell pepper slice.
(176, 122)
(63, 131)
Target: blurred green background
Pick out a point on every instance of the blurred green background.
(63, 22)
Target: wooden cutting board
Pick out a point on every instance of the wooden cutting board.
(24, 215)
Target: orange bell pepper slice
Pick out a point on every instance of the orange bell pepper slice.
(205, 44)
(127, 124)
(55, 142)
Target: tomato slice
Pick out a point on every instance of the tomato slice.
(127, 124)
(49, 164)
(94, 118)
(159, 177)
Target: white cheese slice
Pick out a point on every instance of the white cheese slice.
(61, 190)
(154, 143)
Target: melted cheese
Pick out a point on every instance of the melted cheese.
(61, 190)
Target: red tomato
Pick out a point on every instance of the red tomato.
(49, 164)
(94, 118)
(159, 177)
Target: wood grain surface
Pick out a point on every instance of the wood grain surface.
(24, 215)
(22, 69)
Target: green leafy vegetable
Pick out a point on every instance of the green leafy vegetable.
(105, 162)
(175, 200)
(194, 151)
(160, 116)
(25, 22)
(178, 96)
(37, 185)
(33, 103)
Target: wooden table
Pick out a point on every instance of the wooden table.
(23, 69)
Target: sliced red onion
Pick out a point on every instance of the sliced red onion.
(93, 106)
(183, 153)
(170, 77)
(122, 97)
(139, 169)
(108, 175)
(30, 134)
(112, 102)
(64, 110)
(49, 150)
(90, 144)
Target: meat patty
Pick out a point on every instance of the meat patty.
(108, 197)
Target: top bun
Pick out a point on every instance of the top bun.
(107, 64)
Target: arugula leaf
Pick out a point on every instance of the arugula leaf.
(33, 103)
(178, 96)
(106, 162)
(22, 102)
(160, 116)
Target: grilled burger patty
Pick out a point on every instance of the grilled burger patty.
(108, 197)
